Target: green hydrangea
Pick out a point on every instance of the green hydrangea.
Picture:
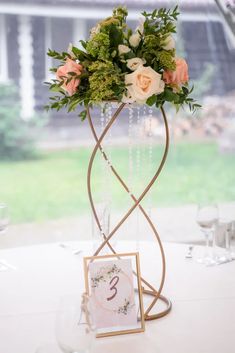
(120, 13)
(166, 59)
(156, 56)
(98, 46)
(151, 42)
(106, 82)
(150, 49)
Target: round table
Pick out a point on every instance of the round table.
(202, 319)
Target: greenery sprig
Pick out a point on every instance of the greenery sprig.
(110, 62)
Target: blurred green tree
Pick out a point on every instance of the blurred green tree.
(16, 141)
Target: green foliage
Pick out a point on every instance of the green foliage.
(98, 46)
(16, 141)
(54, 54)
(120, 13)
(106, 82)
(166, 60)
(155, 55)
(105, 64)
(160, 22)
(176, 98)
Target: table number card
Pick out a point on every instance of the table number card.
(113, 282)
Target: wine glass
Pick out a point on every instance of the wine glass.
(4, 218)
(207, 219)
(103, 214)
(48, 348)
(228, 255)
(4, 222)
(75, 331)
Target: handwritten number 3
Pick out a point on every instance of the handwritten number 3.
(114, 281)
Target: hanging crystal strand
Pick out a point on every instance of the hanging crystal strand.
(96, 235)
(103, 163)
(130, 149)
(144, 111)
(106, 205)
(102, 121)
(130, 162)
(109, 153)
(150, 155)
(138, 147)
(145, 134)
(138, 174)
(145, 128)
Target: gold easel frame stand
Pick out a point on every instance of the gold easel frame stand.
(147, 288)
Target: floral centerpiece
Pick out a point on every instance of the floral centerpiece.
(125, 66)
(119, 64)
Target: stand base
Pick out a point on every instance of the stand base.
(167, 301)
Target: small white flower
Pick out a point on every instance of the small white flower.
(169, 43)
(134, 63)
(95, 30)
(134, 40)
(123, 49)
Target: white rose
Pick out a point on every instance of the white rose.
(134, 63)
(169, 43)
(143, 83)
(134, 40)
(123, 49)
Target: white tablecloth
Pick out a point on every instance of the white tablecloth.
(202, 319)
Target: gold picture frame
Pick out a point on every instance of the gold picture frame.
(112, 280)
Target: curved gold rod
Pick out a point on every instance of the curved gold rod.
(125, 187)
(156, 294)
(91, 163)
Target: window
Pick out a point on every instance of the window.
(3, 51)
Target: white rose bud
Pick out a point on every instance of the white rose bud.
(169, 43)
(123, 49)
(143, 83)
(134, 40)
(134, 63)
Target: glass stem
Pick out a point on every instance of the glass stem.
(207, 244)
(227, 244)
(213, 243)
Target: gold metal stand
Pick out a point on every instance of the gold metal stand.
(150, 291)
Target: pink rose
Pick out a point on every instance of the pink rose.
(179, 76)
(62, 72)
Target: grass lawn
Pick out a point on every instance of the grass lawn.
(54, 185)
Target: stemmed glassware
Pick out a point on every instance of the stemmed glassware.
(4, 218)
(75, 331)
(4, 222)
(103, 213)
(228, 255)
(207, 219)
